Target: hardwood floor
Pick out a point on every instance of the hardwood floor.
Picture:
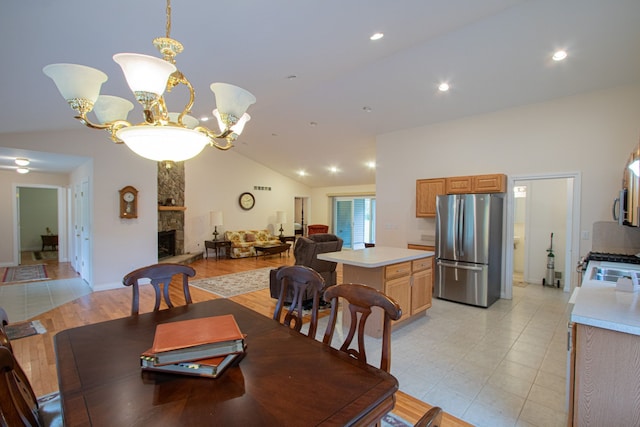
(36, 353)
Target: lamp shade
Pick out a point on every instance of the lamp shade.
(76, 81)
(216, 218)
(145, 73)
(161, 143)
(281, 217)
(111, 108)
(232, 99)
(187, 120)
(237, 128)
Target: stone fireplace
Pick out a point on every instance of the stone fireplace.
(166, 244)
(171, 203)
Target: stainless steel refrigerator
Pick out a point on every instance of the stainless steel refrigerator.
(469, 248)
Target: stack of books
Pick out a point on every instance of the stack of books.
(201, 347)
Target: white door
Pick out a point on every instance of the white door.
(85, 233)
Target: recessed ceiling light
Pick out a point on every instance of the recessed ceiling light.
(302, 173)
(376, 36)
(443, 87)
(559, 55)
(371, 165)
(22, 170)
(21, 161)
(204, 119)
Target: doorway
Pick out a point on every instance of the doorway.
(538, 205)
(355, 221)
(39, 211)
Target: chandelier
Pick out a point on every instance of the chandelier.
(163, 135)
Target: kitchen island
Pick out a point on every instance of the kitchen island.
(604, 368)
(406, 275)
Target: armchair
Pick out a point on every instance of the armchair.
(305, 252)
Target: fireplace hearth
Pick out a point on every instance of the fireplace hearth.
(166, 244)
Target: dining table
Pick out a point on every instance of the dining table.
(283, 379)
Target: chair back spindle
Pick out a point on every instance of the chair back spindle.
(160, 275)
(360, 299)
(304, 281)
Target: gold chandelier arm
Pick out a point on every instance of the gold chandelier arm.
(88, 123)
(115, 127)
(227, 136)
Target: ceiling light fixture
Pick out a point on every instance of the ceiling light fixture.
(559, 55)
(158, 137)
(376, 36)
(21, 161)
(444, 87)
(371, 165)
(22, 170)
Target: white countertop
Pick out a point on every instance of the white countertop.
(599, 304)
(375, 257)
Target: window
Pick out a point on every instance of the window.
(354, 220)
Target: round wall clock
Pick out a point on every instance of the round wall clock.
(247, 201)
(128, 202)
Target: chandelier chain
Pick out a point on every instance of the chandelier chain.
(168, 27)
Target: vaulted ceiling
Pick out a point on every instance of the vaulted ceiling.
(495, 54)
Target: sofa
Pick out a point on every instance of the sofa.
(243, 241)
(306, 252)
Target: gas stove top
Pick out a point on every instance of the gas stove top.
(608, 257)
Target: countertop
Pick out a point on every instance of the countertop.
(422, 242)
(378, 256)
(598, 303)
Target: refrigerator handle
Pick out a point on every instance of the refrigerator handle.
(460, 266)
(460, 226)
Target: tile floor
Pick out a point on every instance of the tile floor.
(24, 301)
(501, 366)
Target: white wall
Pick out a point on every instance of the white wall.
(8, 181)
(118, 245)
(592, 133)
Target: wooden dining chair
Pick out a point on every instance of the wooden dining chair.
(360, 300)
(298, 284)
(159, 275)
(19, 405)
(432, 418)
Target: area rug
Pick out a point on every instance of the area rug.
(24, 329)
(25, 273)
(39, 255)
(392, 420)
(234, 284)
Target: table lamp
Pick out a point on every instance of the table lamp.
(280, 218)
(216, 220)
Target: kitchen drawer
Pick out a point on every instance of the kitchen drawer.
(421, 264)
(397, 270)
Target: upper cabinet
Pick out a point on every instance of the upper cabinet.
(426, 192)
(428, 189)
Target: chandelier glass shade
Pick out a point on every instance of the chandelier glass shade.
(163, 135)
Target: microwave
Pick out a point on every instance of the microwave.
(626, 207)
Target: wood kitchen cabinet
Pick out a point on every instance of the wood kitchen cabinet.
(604, 378)
(492, 183)
(409, 283)
(426, 192)
(428, 189)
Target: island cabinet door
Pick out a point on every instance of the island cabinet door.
(421, 290)
(400, 290)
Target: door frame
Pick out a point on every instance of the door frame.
(573, 229)
(63, 231)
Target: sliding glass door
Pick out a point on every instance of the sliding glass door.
(354, 219)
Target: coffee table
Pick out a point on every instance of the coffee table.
(271, 249)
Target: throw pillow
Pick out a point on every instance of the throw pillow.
(249, 237)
